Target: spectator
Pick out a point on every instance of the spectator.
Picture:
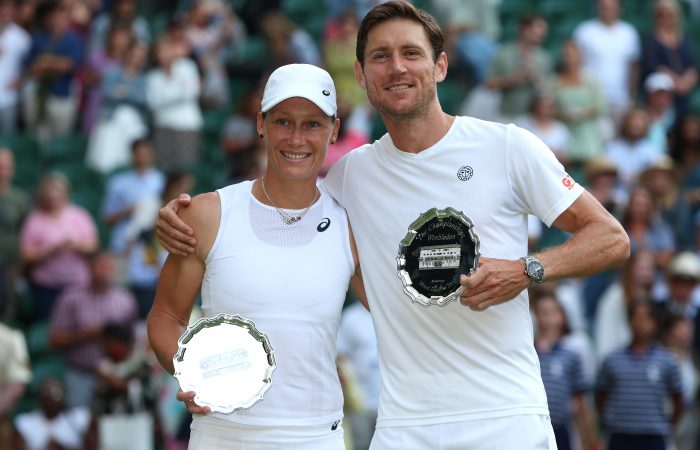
(677, 336)
(173, 90)
(354, 131)
(286, 42)
(78, 322)
(658, 88)
(682, 277)
(580, 105)
(542, 122)
(211, 29)
(473, 30)
(50, 101)
(634, 386)
(670, 199)
(611, 328)
(647, 229)
(123, 112)
(562, 373)
(519, 69)
(669, 49)
(54, 425)
(357, 344)
(339, 56)
(122, 13)
(15, 374)
(610, 49)
(15, 205)
(125, 189)
(239, 138)
(54, 241)
(632, 151)
(603, 183)
(123, 374)
(14, 44)
(98, 63)
(686, 150)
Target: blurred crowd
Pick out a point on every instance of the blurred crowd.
(110, 108)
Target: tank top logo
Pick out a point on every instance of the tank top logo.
(323, 226)
(465, 172)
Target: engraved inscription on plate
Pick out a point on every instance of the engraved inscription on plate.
(226, 361)
(440, 246)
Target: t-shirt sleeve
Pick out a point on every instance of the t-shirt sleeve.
(540, 184)
(673, 378)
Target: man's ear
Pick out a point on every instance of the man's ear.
(360, 75)
(441, 68)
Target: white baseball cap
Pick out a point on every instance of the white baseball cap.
(658, 81)
(300, 80)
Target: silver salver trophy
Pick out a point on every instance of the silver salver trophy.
(226, 361)
(439, 247)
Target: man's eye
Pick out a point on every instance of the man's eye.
(281, 121)
(313, 124)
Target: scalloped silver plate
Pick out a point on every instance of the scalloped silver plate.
(226, 361)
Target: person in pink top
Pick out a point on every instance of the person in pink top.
(54, 241)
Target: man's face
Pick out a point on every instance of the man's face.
(103, 269)
(7, 13)
(681, 288)
(400, 74)
(608, 10)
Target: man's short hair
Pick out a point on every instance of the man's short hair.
(399, 10)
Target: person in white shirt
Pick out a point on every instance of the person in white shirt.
(14, 46)
(611, 52)
(173, 90)
(465, 375)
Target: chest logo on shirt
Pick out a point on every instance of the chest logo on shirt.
(323, 226)
(465, 172)
(653, 374)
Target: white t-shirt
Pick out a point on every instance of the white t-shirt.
(631, 158)
(448, 364)
(14, 45)
(174, 97)
(67, 429)
(607, 54)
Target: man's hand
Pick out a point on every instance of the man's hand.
(174, 234)
(495, 281)
(188, 399)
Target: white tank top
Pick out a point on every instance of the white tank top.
(291, 281)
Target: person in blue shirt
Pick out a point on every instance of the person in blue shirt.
(562, 373)
(634, 385)
(54, 58)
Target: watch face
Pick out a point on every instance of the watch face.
(535, 270)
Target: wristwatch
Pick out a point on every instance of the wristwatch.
(534, 270)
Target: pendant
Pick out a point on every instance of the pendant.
(292, 220)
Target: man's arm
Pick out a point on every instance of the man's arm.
(174, 234)
(598, 242)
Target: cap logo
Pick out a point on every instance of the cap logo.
(326, 93)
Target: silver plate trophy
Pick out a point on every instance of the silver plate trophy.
(440, 246)
(226, 361)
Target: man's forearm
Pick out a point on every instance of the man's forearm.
(593, 249)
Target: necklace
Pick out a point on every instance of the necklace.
(286, 217)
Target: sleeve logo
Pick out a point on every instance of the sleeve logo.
(568, 182)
